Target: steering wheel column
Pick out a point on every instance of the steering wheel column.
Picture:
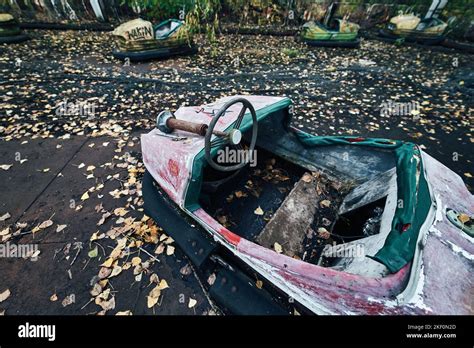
(234, 135)
(167, 122)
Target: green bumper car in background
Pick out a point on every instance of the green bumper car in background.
(139, 40)
(331, 32)
(10, 31)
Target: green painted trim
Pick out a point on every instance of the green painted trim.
(157, 26)
(399, 247)
(413, 197)
(331, 36)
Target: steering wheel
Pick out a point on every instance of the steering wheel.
(232, 136)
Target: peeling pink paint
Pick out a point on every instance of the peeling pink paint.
(229, 236)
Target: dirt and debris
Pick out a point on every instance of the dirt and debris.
(330, 194)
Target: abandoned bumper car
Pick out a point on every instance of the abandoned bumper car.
(10, 31)
(139, 40)
(429, 31)
(331, 32)
(313, 224)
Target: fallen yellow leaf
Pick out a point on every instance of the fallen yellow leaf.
(160, 249)
(464, 218)
(163, 284)
(136, 261)
(115, 271)
(120, 211)
(325, 203)
(192, 303)
(4, 295)
(277, 248)
(151, 301)
(307, 177)
(169, 250)
(108, 262)
(45, 224)
(60, 228)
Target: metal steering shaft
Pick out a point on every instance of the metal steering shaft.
(167, 123)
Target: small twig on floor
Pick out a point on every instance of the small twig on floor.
(111, 286)
(56, 252)
(141, 249)
(24, 233)
(103, 250)
(78, 246)
(92, 299)
(161, 300)
(146, 252)
(83, 268)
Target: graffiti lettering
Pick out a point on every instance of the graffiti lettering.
(140, 33)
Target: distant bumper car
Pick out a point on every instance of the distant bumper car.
(10, 31)
(265, 237)
(408, 27)
(138, 40)
(332, 32)
(412, 29)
